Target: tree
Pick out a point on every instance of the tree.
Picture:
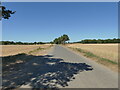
(4, 13)
(61, 40)
(64, 38)
(56, 41)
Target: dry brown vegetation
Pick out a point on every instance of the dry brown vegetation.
(108, 51)
(8, 50)
(14, 55)
(106, 54)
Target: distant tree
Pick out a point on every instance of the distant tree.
(61, 40)
(56, 41)
(100, 41)
(35, 42)
(51, 42)
(40, 43)
(65, 38)
(19, 43)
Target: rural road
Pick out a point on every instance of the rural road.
(99, 77)
(60, 68)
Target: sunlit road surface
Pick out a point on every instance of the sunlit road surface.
(99, 77)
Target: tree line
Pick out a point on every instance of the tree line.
(19, 43)
(114, 40)
(61, 40)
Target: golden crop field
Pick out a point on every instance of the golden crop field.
(108, 51)
(8, 50)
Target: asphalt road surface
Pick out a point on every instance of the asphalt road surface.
(99, 77)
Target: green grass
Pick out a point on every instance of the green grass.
(35, 50)
(91, 55)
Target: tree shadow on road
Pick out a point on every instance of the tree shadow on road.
(40, 72)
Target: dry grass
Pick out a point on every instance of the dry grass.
(108, 51)
(8, 50)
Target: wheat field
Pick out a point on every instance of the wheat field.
(108, 51)
(8, 50)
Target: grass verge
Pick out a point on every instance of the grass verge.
(89, 54)
(30, 52)
(107, 62)
(36, 50)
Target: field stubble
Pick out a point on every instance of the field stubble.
(8, 50)
(108, 51)
(106, 54)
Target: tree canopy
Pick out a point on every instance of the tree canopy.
(4, 13)
(61, 40)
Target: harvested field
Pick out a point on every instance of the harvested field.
(108, 51)
(8, 50)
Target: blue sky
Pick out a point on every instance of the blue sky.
(46, 21)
